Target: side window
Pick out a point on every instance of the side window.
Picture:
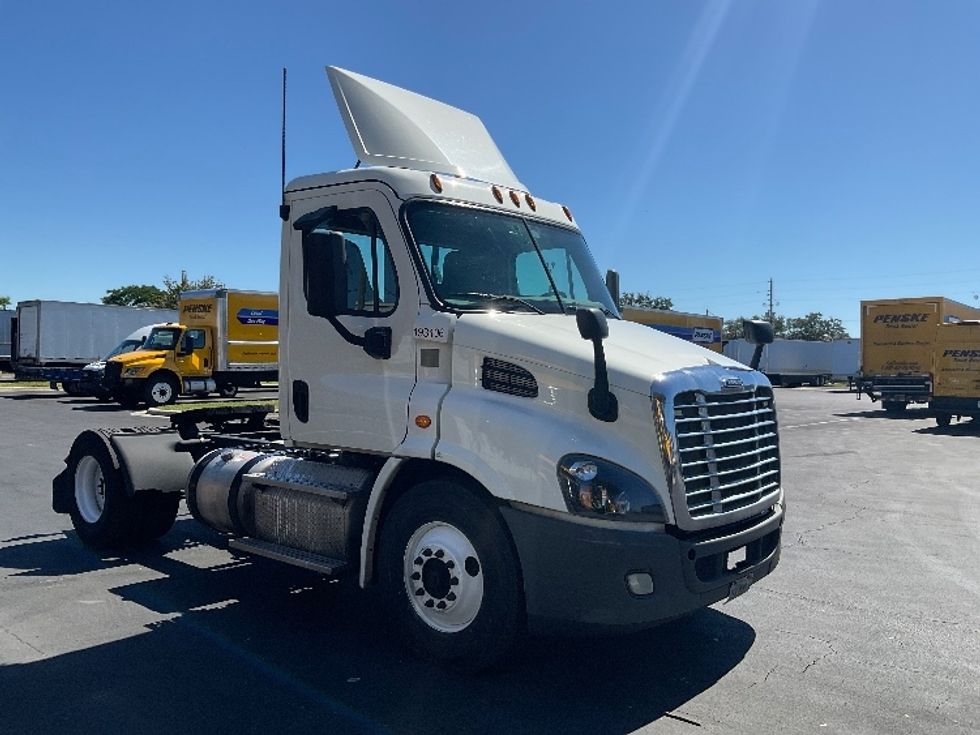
(368, 273)
(196, 338)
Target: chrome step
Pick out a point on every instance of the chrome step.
(307, 560)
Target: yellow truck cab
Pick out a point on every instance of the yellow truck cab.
(225, 339)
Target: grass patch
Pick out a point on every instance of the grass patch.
(18, 384)
(272, 405)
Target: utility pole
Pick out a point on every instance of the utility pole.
(770, 316)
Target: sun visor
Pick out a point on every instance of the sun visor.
(390, 126)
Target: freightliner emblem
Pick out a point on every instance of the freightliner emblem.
(732, 383)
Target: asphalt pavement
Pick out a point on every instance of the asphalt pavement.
(871, 623)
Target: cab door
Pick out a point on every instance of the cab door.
(348, 375)
(194, 359)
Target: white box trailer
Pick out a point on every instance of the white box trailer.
(789, 362)
(845, 358)
(6, 317)
(54, 340)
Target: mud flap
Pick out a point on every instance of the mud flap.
(147, 457)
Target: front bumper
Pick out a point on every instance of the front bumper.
(575, 575)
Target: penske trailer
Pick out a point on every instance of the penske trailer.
(956, 381)
(701, 329)
(461, 424)
(898, 347)
(225, 339)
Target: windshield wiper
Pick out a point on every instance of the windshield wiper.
(497, 297)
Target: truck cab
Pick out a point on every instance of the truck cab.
(464, 418)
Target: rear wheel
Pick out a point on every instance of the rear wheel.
(101, 511)
(894, 408)
(228, 390)
(451, 577)
(944, 419)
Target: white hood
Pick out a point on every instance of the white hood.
(635, 354)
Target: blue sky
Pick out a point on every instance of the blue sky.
(704, 146)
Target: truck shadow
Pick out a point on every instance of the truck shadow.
(31, 396)
(957, 428)
(880, 413)
(251, 646)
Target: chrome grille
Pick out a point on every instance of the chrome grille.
(728, 448)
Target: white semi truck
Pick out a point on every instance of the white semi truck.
(464, 419)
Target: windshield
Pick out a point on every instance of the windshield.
(162, 338)
(479, 260)
(128, 345)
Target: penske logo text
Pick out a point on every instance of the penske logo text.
(902, 318)
(968, 354)
(197, 308)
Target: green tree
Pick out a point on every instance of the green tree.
(143, 295)
(173, 288)
(4, 302)
(732, 328)
(644, 300)
(813, 326)
(163, 298)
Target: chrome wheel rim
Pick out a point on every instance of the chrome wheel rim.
(89, 489)
(162, 392)
(443, 577)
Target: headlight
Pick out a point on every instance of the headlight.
(595, 487)
(131, 371)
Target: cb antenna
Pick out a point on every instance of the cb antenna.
(283, 207)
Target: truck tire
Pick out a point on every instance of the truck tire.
(894, 408)
(161, 389)
(943, 420)
(101, 512)
(156, 513)
(228, 390)
(450, 576)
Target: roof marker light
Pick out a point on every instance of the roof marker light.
(530, 202)
(568, 213)
(497, 194)
(436, 183)
(516, 198)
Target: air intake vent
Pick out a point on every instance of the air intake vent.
(506, 377)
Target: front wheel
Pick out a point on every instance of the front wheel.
(943, 420)
(450, 576)
(160, 390)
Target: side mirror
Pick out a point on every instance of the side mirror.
(593, 327)
(612, 285)
(592, 324)
(757, 332)
(324, 272)
(186, 346)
